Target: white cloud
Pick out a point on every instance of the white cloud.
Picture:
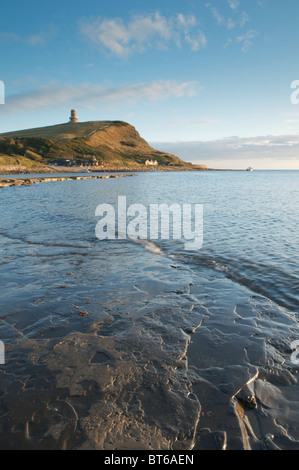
(142, 32)
(91, 95)
(281, 151)
(247, 39)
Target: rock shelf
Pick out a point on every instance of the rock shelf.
(9, 182)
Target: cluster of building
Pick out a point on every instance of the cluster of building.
(151, 163)
(91, 161)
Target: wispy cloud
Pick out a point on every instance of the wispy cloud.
(221, 20)
(91, 95)
(243, 19)
(143, 32)
(262, 3)
(247, 39)
(37, 39)
(229, 23)
(234, 4)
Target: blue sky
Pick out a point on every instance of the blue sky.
(208, 80)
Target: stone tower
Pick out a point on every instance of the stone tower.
(73, 117)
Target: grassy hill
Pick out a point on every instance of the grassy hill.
(114, 144)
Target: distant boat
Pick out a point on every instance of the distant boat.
(249, 169)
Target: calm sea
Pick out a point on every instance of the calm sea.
(250, 222)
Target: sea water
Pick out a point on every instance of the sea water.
(140, 343)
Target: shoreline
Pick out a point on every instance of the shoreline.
(65, 169)
(10, 182)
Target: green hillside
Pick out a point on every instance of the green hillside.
(110, 143)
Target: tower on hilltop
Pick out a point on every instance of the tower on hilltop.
(73, 117)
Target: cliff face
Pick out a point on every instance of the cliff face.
(113, 143)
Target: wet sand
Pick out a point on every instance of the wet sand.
(168, 361)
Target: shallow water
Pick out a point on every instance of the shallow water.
(123, 344)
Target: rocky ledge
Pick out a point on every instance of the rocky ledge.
(8, 182)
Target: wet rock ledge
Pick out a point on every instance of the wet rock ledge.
(8, 182)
